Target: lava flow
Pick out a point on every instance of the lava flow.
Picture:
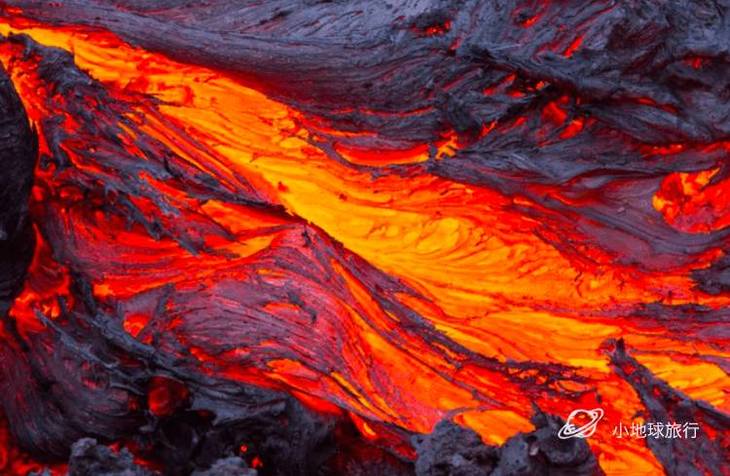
(364, 238)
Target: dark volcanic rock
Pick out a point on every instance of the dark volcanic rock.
(541, 452)
(450, 450)
(691, 456)
(18, 151)
(455, 451)
(716, 278)
(232, 466)
(88, 458)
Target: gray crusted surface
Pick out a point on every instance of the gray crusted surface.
(18, 151)
(88, 458)
(451, 450)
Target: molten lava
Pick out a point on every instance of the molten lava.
(467, 255)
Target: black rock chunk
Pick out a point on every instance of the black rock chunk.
(88, 458)
(18, 151)
(233, 466)
(451, 450)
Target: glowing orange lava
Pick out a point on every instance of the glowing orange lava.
(485, 277)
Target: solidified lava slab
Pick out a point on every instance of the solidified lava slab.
(18, 153)
(303, 237)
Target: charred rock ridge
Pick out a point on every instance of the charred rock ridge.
(18, 152)
(450, 450)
